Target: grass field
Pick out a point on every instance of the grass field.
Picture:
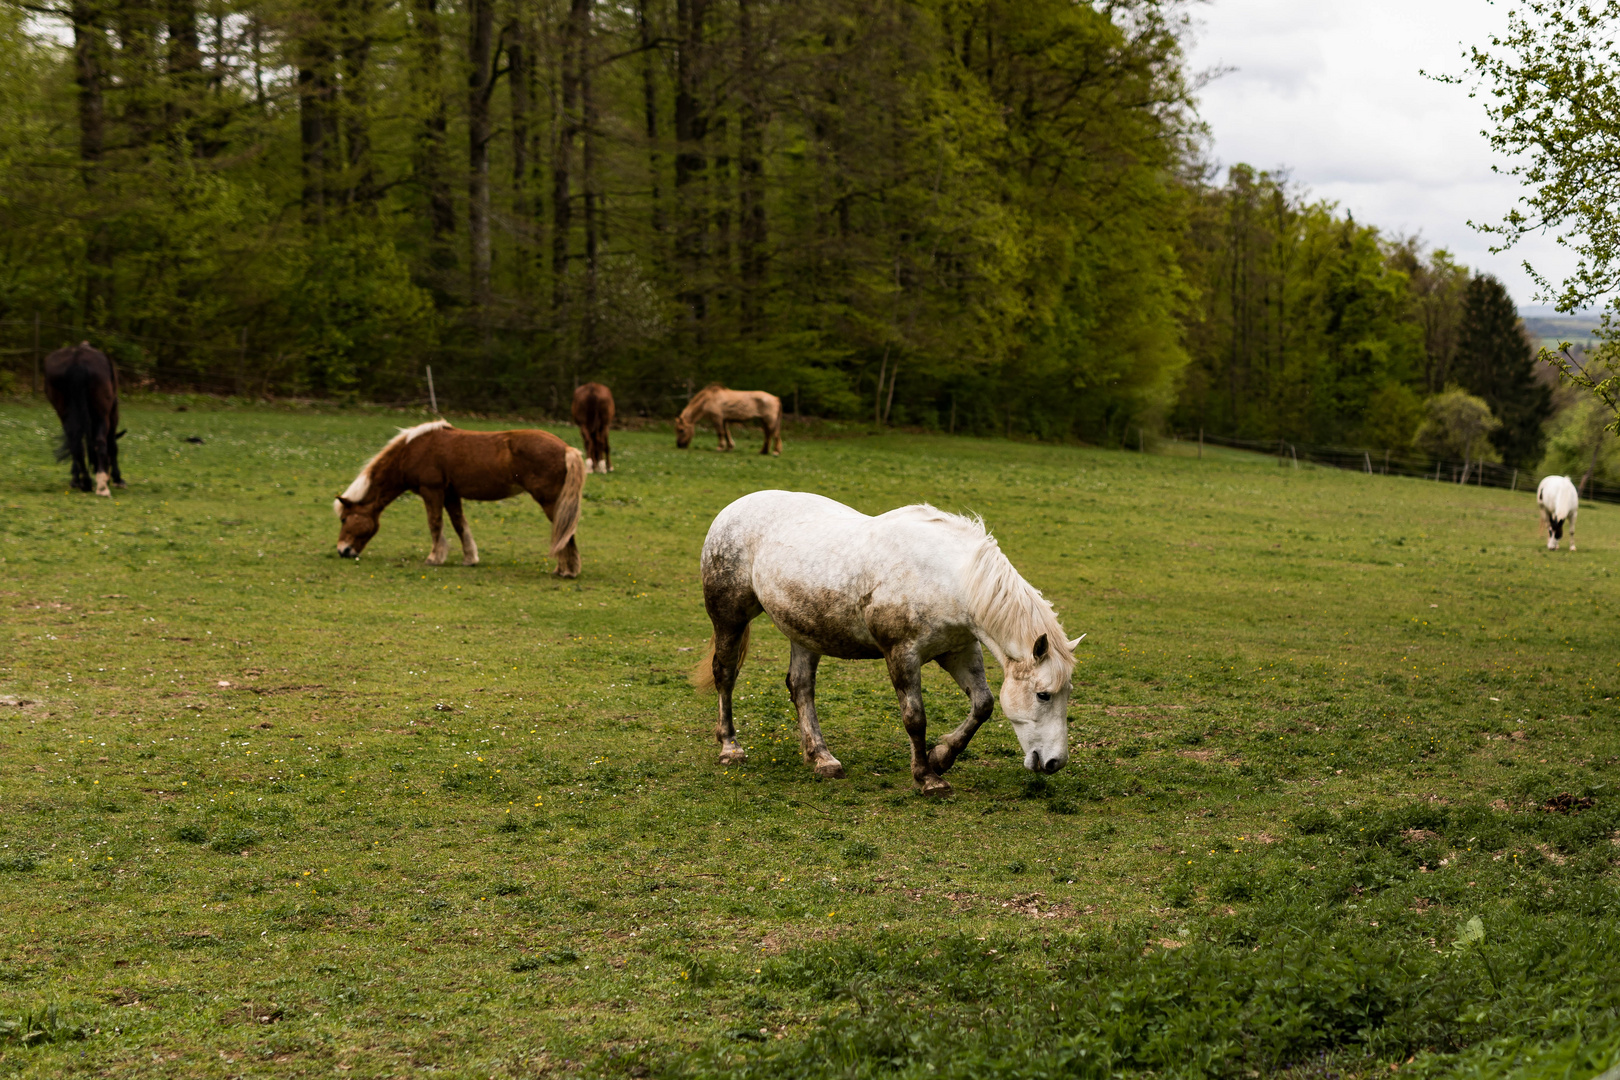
(1342, 794)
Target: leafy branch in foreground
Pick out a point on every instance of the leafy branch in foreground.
(1604, 384)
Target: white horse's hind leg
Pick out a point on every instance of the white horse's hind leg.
(1572, 530)
(801, 684)
(967, 668)
(730, 646)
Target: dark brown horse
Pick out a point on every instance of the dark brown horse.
(82, 385)
(445, 465)
(593, 412)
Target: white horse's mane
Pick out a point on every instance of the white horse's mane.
(361, 485)
(1009, 609)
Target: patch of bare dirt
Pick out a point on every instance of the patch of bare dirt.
(1419, 836)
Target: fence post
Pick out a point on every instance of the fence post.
(1139, 449)
(1515, 486)
(1200, 443)
(1368, 458)
(433, 400)
(1293, 455)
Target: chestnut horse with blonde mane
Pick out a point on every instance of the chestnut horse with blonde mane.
(445, 465)
(593, 412)
(717, 406)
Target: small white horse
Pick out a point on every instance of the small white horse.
(908, 587)
(1559, 501)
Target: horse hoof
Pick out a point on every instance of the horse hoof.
(469, 562)
(830, 770)
(733, 756)
(933, 785)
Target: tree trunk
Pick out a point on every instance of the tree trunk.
(184, 69)
(360, 179)
(691, 126)
(90, 73)
(480, 82)
(751, 173)
(316, 129)
(137, 26)
(519, 59)
(562, 162)
(590, 179)
(429, 157)
(649, 108)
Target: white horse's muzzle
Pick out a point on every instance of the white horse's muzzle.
(1035, 761)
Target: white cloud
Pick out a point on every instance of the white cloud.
(1334, 93)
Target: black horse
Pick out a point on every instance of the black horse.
(82, 385)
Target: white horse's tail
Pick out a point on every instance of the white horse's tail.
(703, 674)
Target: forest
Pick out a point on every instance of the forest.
(990, 216)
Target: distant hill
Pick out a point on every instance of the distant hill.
(1546, 331)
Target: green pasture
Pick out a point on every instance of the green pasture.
(1342, 795)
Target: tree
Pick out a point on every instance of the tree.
(1459, 425)
(1496, 363)
(1552, 102)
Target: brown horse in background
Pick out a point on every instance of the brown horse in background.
(593, 412)
(82, 385)
(716, 405)
(445, 465)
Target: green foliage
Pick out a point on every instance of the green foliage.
(1459, 426)
(1304, 326)
(39, 1028)
(1580, 443)
(1495, 362)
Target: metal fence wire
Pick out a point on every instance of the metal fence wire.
(1389, 463)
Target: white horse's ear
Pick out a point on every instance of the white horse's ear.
(1040, 647)
(1076, 641)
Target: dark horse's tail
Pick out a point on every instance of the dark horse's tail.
(77, 387)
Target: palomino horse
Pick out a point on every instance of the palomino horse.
(717, 406)
(911, 586)
(593, 412)
(82, 385)
(445, 465)
(1558, 501)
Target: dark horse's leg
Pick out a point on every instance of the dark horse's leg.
(966, 666)
(801, 684)
(469, 547)
(905, 672)
(605, 461)
(101, 444)
(113, 435)
(433, 500)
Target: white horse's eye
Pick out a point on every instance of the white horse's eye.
(1042, 695)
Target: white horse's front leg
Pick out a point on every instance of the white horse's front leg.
(905, 672)
(801, 683)
(967, 668)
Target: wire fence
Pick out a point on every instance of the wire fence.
(1389, 463)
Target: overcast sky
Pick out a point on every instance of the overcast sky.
(1331, 91)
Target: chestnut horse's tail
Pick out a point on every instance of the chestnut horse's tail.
(566, 520)
(703, 674)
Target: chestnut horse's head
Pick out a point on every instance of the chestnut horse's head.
(684, 430)
(359, 525)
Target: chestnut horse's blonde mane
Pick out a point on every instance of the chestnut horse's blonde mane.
(361, 486)
(1009, 609)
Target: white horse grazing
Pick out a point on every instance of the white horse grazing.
(908, 587)
(1559, 502)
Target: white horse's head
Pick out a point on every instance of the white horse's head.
(1035, 699)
